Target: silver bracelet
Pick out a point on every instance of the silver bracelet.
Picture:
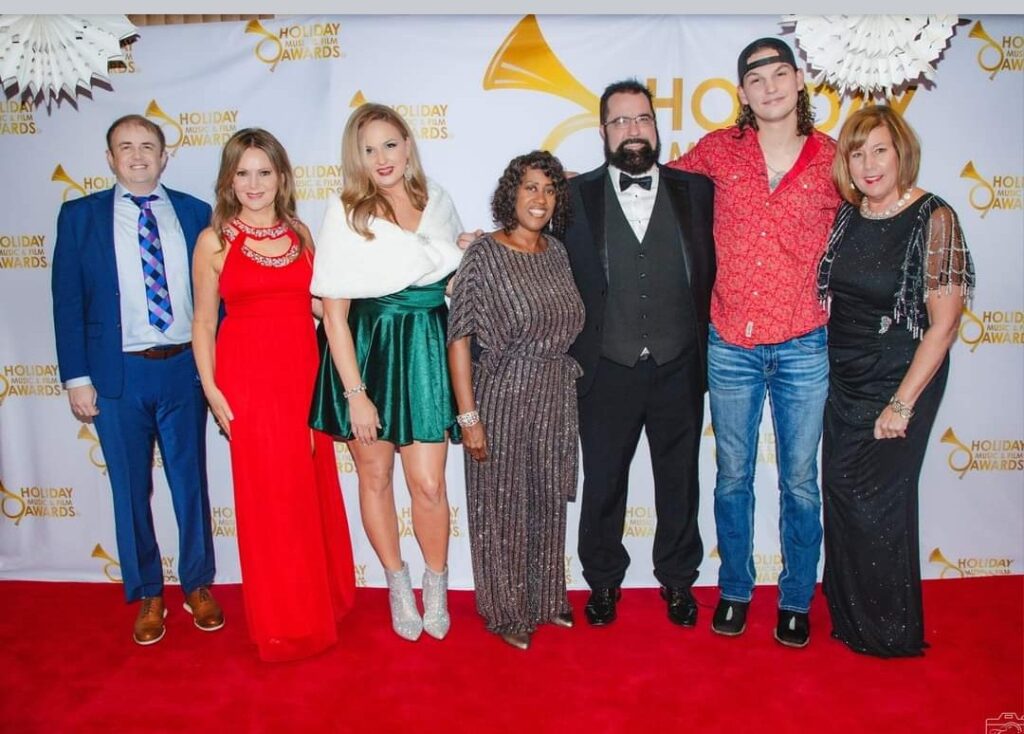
(900, 408)
(361, 387)
(468, 419)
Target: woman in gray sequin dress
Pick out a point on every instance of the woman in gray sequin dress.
(514, 294)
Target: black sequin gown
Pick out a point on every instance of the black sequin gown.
(872, 577)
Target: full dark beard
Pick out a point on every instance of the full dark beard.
(634, 162)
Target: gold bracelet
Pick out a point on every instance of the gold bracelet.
(900, 408)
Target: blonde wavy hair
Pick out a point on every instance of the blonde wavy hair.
(227, 205)
(360, 196)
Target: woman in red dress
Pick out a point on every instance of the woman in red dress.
(257, 372)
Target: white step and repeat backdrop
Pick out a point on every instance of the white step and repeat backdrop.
(478, 91)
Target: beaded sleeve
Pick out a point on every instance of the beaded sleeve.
(936, 259)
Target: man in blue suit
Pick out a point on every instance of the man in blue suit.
(122, 311)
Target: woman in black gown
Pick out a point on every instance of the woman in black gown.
(896, 273)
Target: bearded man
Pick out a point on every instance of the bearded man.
(642, 254)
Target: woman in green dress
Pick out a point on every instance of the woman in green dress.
(385, 253)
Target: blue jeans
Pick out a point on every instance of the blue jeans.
(795, 376)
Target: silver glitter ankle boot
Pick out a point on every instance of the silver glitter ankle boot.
(435, 603)
(405, 617)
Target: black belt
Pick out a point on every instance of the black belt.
(165, 351)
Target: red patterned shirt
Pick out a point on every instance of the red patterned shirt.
(767, 243)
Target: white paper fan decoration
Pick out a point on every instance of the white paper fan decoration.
(871, 53)
(53, 55)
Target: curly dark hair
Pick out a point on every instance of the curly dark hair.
(804, 116)
(503, 202)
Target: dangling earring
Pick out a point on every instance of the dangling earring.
(408, 172)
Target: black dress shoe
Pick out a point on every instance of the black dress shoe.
(793, 629)
(682, 608)
(730, 617)
(600, 609)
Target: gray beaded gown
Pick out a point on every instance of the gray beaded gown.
(524, 311)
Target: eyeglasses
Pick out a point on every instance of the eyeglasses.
(623, 122)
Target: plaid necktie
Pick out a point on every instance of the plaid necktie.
(158, 299)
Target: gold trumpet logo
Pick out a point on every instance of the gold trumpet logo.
(972, 329)
(276, 49)
(936, 557)
(978, 31)
(17, 502)
(73, 187)
(111, 568)
(525, 61)
(95, 451)
(714, 553)
(959, 450)
(154, 112)
(981, 188)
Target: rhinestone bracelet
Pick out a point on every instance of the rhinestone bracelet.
(468, 419)
(900, 408)
(361, 387)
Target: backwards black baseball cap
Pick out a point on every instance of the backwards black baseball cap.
(783, 55)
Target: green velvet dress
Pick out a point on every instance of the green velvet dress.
(400, 348)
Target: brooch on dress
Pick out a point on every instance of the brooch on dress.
(886, 322)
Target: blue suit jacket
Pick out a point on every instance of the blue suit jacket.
(86, 292)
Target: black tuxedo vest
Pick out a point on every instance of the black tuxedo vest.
(648, 303)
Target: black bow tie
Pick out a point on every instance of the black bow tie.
(625, 181)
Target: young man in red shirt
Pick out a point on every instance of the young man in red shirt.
(774, 205)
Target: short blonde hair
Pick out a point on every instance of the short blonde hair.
(854, 135)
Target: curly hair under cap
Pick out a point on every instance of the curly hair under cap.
(503, 202)
(804, 116)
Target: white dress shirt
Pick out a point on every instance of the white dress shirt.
(637, 202)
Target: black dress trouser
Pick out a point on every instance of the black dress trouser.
(667, 402)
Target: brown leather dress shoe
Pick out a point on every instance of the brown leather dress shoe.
(205, 610)
(149, 625)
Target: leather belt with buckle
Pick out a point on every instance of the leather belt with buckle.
(164, 351)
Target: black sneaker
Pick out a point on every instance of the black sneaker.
(730, 617)
(793, 629)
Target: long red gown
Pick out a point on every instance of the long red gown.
(298, 579)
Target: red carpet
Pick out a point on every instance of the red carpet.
(68, 665)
